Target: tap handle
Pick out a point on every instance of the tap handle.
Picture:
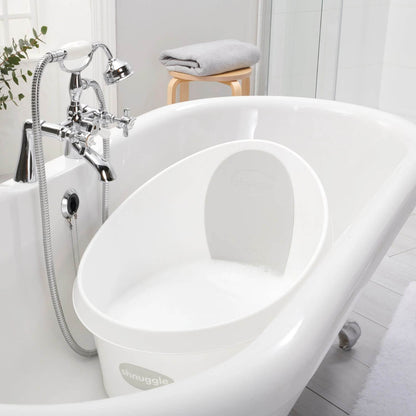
(76, 50)
(128, 121)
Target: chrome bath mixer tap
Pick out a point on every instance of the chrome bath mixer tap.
(77, 131)
(83, 122)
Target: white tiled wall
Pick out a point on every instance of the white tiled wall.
(361, 51)
(294, 47)
(398, 84)
(299, 51)
(365, 53)
(377, 61)
(329, 47)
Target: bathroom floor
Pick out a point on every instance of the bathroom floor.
(334, 388)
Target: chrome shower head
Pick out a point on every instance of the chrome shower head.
(116, 70)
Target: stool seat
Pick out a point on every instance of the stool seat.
(230, 78)
(224, 77)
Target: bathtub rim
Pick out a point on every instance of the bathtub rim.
(62, 164)
(204, 386)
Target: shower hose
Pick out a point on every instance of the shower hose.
(44, 208)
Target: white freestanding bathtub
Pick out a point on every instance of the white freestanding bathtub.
(366, 161)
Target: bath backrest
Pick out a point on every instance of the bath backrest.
(249, 210)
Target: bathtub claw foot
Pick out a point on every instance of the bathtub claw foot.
(349, 335)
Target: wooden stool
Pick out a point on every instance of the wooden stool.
(231, 78)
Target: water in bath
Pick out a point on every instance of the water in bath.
(197, 295)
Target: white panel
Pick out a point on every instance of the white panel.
(18, 6)
(282, 6)
(400, 50)
(294, 53)
(20, 28)
(399, 74)
(2, 44)
(361, 55)
(328, 50)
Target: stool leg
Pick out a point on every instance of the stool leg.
(184, 91)
(245, 86)
(173, 84)
(235, 87)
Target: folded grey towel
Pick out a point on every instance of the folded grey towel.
(210, 58)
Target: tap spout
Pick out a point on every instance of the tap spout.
(25, 171)
(103, 168)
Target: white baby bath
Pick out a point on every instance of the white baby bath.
(206, 252)
(366, 162)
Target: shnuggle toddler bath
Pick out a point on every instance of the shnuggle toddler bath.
(196, 262)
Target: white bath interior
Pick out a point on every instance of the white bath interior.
(366, 161)
(207, 252)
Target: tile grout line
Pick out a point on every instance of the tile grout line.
(327, 400)
(386, 287)
(401, 252)
(370, 319)
(361, 362)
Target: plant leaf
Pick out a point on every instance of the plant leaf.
(14, 59)
(16, 81)
(10, 60)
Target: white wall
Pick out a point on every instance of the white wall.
(398, 85)
(377, 64)
(145, 28)
(361, 53)
(329, 49)
(294, 47)
(304, 48)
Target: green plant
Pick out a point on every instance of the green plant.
(10, 59)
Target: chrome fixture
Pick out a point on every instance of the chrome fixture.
(349, 335)
(69, 209)
(78, 131)
(83, 122)
(77, 140)
(70, 204)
